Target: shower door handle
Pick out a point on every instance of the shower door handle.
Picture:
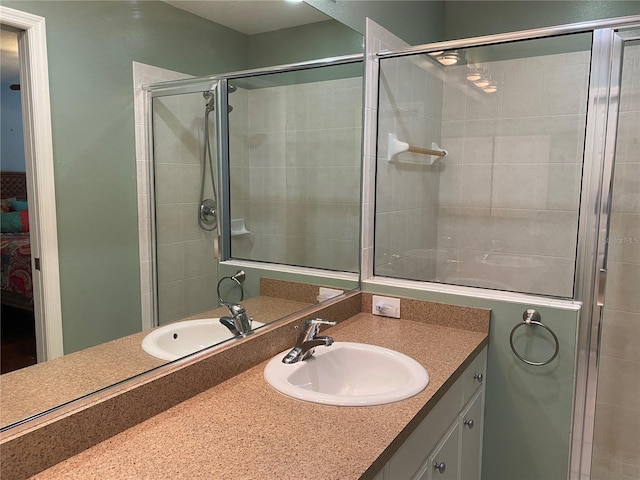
(602, 286)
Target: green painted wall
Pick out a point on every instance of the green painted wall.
(464, 19)
(427, 21)
(296, 44)
(91, 46)
(415, 22)
(255, 273)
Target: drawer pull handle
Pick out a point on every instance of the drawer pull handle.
(441, 467)
(469, 423)
(479, 377)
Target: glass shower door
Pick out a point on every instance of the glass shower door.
(616, 442)
(184, 157)
(501, 210)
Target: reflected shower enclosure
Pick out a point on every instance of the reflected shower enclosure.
(185, 177)
(294, 161)
(288, 192)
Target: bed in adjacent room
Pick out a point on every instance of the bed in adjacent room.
(16, 280)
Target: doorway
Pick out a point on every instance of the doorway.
(18, 334)
(39, 176)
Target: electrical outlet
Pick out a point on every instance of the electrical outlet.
(386, 306)
(328, 293)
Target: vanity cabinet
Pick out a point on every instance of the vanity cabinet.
(442, 463)
(448, 442)
(471, 429)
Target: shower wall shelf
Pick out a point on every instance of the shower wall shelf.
(238, 227)
(397, 146)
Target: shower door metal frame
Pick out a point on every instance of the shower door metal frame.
(590, 276)
(152, 91)
(597, 195)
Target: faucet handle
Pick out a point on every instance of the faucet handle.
(234, 308)
(312, 327)
(317, 321)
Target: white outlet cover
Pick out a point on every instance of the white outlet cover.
(386, 306)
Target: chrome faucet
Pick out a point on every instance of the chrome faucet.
(308, 340)
(238, 323)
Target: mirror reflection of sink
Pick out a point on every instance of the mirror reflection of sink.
(179, 339)
(348, 374)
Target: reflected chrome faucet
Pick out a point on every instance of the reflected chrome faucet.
(238, 323)
(308, 340)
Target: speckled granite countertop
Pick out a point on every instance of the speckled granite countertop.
(39, 387)
(243, 429)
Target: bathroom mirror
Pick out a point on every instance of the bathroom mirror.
(295, 167)
(90, 70)
(290, 192)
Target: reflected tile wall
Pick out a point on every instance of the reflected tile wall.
(296, 174)
(616, 445)
(187, 272)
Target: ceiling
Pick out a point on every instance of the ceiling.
(246, 16)
(252, 16)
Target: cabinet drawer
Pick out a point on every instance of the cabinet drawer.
(410, 456)
(474, 376)
(471, 426)
(443, 462)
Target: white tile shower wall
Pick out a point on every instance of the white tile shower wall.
(187, 272)
(239, 152)
(377, 39)
(509, 189)
(410, 106)
(616, 445)
(297, 177)
(144, 75)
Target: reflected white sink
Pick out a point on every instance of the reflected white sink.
(179, 339)
(348, 374)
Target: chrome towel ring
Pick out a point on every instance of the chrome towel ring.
(238, 278)
(532, 317)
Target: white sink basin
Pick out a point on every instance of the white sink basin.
(179, 339)
(348, 374)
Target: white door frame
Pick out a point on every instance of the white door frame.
(36, 111)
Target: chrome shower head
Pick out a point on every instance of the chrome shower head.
(208, 96)
(211, 101)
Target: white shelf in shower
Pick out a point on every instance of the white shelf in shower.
(238, 228)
